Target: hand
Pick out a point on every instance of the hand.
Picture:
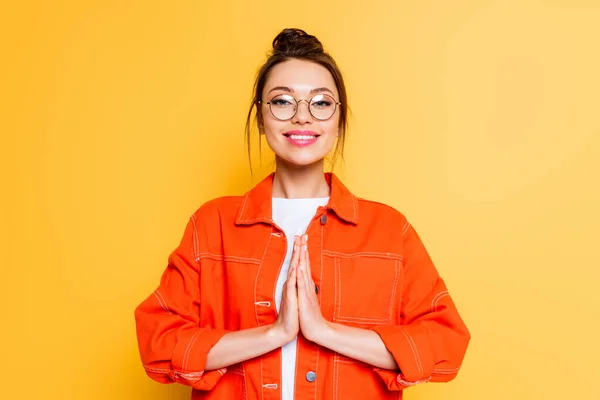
(312, 322)
(287, 323)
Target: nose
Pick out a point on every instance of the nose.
(302, 114)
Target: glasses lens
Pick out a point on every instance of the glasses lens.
(322, 106)
(283, 106)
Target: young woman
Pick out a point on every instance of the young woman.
(299, 289)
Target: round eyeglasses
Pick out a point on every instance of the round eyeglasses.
(284, 106)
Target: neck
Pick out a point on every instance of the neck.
(293, 182)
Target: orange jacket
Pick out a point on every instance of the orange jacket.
(372, 271)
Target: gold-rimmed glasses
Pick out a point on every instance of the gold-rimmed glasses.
(284, 107)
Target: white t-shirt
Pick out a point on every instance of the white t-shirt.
(293, 216)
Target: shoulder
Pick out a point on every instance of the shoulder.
(220, 208)
(379, 212)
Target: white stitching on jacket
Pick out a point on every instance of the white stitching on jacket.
(393, 297)
(190, 375)
(162, 301)
(195, 238)
(256, 280)
(245, 382)
(407, 383)
(157, 370)
(374, 254)
(445, 371)
(405, 228)
(270, 386)
(221, 257)
(188, 350)
(437, 298)
(413, 348)
(243, 207)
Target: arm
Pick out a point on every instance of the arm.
(428, 345)
(173, 347)
(238, 346)
(172, 344)
(431, 340)
(235, 347)
(360, 344)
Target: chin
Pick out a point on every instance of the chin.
(300, 162)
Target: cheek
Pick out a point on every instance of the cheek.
(268, 123)
(331, 127)
(272, 126)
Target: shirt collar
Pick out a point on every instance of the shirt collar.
(257, 204)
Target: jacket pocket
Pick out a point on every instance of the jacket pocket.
(232, 385)
(365, 287)
(353, 379)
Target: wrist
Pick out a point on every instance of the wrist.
(277, 336)
(325, 335)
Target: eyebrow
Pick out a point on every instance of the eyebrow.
(290, 90)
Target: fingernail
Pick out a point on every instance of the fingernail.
(295, 247)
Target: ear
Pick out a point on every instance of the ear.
(259, 120)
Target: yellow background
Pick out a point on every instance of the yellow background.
(477, 119)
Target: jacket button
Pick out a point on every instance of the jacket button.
(323, 219)
(311, 376)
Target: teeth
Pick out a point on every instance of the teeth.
(302, 137)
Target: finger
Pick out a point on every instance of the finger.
(300, 267)
(306, 258)
(297, 244)
(301, 282)
(311, 281)
(300, 254)
(295, 257)
(305, 261)
(291, 284)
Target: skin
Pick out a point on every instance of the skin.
(299, 174)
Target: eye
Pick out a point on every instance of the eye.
(282, 101)
(321, 101)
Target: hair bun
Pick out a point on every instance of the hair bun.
(294, 42)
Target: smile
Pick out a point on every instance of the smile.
(301, 138)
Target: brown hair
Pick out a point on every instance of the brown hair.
(297, 44)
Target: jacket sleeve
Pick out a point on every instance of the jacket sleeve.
(431, 340)
(172, 344)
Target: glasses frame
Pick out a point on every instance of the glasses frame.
(297, 102)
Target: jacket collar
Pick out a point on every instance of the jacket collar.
(257, 203)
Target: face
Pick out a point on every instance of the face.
(303, 139)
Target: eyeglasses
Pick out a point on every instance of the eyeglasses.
(284, 106)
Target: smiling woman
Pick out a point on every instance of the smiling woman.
(249, 307)
(300, 113)
(300, 71)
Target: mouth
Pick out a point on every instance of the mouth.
(301, 138)
(301, 135)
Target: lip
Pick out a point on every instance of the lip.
(301, 143)
(299, 132)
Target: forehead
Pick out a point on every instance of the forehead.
(301, 76)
